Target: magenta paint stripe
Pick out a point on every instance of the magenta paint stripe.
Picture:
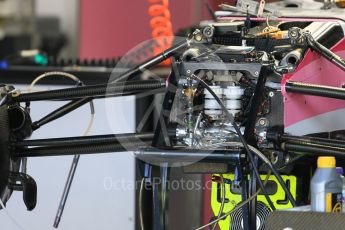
(317, 70)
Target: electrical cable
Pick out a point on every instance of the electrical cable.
(242, 139)
(239, 206)
(141, 218)
(245, 145)
(268, 163)
(223, 200)
(74, 78)
(76, 158)
(53, 73)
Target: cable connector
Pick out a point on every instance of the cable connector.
(218, 179)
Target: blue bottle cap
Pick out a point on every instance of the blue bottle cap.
(340, 170)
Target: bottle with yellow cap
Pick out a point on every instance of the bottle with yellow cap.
(326, 187)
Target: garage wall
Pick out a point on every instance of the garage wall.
(111, 28)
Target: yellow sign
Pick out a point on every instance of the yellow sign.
(233, 196)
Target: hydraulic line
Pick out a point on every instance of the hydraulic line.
(315, 90)
(54, 115)
(113, 89)
(98, 139)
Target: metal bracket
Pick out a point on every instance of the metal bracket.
(258, 9)
(25, 183)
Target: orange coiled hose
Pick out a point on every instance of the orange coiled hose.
(160, 23)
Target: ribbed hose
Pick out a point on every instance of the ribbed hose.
(315, 90)
(98, 139)
(113, 89)
(314, 149)
(78, 149)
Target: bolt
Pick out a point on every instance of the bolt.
(271, 94)
(198, 38)
(208, 31)
(293, 33)
(262, 122)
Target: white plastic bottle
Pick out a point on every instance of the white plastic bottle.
(326, 187)
(340, 171)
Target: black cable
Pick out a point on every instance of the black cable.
(245, 145)
(231, 119)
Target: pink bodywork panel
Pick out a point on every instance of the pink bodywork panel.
(316, 70)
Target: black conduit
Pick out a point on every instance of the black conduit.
(315, 90)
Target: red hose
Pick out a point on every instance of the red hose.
(160, 23)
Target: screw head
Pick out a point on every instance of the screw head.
(262, 122)
(208, 32)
